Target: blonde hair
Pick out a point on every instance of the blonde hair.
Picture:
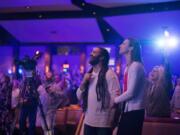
(161, 75)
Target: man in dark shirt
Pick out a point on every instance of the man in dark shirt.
(29, 104)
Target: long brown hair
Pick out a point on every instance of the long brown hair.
(136, 52)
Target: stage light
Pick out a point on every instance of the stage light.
(9, 71)
(14, 69)
(166, 33)
(94, 13)
(160, 42)
(20, 71)
(107, 30)
(172, 42)
(37, 52)
(27, 7)
(64, 70)
(65, 65)
(40, 16)
(46, 68)
(167, 43)
(83, 4)
(82, 69)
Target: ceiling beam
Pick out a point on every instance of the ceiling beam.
(60, 43)
(84, 5)
(144, 8)
(90, 10)
(44, 15)
(109, 34)
(7, 38)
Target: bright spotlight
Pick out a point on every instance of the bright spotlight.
(160, 43)
(9, 71)
(65, 70)
(20, 71)
(172, 42)
(167, 43)
(37, 52)
(166, 33)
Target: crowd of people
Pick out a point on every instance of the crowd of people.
(99, 92)
(35, 96)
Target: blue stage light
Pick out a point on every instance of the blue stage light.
(20, 71)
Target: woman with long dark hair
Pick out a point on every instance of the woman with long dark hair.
(132, 98)
(98, 90)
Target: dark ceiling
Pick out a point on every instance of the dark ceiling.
(81, 21)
